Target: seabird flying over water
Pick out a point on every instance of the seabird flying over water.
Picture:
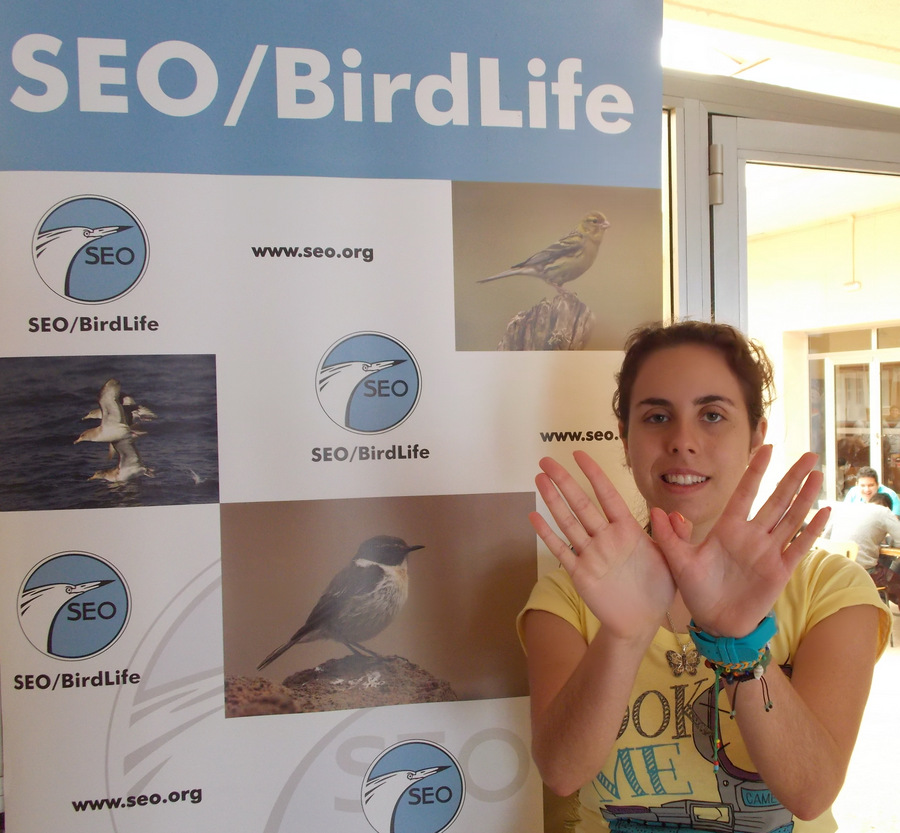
(338, 381)
(117, 414)
(55, 251)
(130, 464)
(133, 411)
(115, 421)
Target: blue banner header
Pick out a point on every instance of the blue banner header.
(467, 90)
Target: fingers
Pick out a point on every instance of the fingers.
(661, 526)
(672, 531)
(803, 543)
(571, 508)
(681, 525)
(745, 493)
(577, 517)
(570, 526)
(787, 507)
(554, 543)
(610, 500)
(666, 528)
(795, 516)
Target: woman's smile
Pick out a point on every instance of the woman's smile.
(679, 478)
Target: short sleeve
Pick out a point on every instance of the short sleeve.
(555, 593)
(822, 584)
(895, 502)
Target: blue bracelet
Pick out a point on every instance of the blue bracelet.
(728, 650)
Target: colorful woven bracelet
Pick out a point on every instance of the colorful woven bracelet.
(740, 672)
(736, 661)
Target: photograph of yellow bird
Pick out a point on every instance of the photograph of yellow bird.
(566, 259)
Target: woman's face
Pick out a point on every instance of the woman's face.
(689, 437)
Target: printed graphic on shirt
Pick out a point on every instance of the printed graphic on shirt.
(656, 785)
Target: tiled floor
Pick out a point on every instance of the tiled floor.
(870, 800)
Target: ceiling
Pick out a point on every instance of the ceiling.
(868, 29)
(850, 48)
(843, 50)
(780, 197)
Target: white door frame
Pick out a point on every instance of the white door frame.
(745, 140)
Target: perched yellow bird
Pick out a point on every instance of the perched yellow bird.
(566, 259)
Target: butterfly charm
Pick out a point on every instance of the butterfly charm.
(685, 661)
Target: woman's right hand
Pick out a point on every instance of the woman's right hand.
(617, 569)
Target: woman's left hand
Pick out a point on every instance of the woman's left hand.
(730, 581)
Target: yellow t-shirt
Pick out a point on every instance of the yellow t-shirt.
(660, 774)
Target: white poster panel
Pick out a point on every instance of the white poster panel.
(277, 372)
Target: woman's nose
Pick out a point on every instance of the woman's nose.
(682, 439)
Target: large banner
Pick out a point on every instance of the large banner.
(295, 295)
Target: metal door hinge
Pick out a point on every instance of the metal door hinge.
(716, 184)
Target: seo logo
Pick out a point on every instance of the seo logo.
(73, 605)
(368, 383)
(413, 787)
(90, 250)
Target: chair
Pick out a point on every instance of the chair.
(847, 548)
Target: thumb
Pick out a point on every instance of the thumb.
(671, 532)
(669, 527)
(662, 526)
(681, 526)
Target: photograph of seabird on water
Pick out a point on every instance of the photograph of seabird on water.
(83, 432)
(355, 603)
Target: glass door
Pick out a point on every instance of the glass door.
(853, 439)
(890, 424)
(854, 408)
(804, 258)
(803, 244)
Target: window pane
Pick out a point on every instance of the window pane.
(890, 424)
(838, 342)
(851, 418)
(817, 414)
(889, 337)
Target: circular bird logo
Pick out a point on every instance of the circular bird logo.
(368, 383)
(90, 249)
(73, 605)
(413, 787)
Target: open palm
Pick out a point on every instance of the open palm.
(617, 569)
(730, 580)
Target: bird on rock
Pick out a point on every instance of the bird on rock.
(566, 259)
(361, 600)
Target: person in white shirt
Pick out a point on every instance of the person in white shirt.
(865, 523)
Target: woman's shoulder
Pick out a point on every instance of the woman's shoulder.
(823, 572)
(555, 593)
(554, 588)
(822, 584)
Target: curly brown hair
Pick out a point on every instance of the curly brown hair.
(745, 357)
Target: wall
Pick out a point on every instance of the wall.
(796, 282)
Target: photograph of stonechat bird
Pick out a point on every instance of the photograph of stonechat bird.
(361, 600)
(566, 259)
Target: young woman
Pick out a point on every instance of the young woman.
(625, 710)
